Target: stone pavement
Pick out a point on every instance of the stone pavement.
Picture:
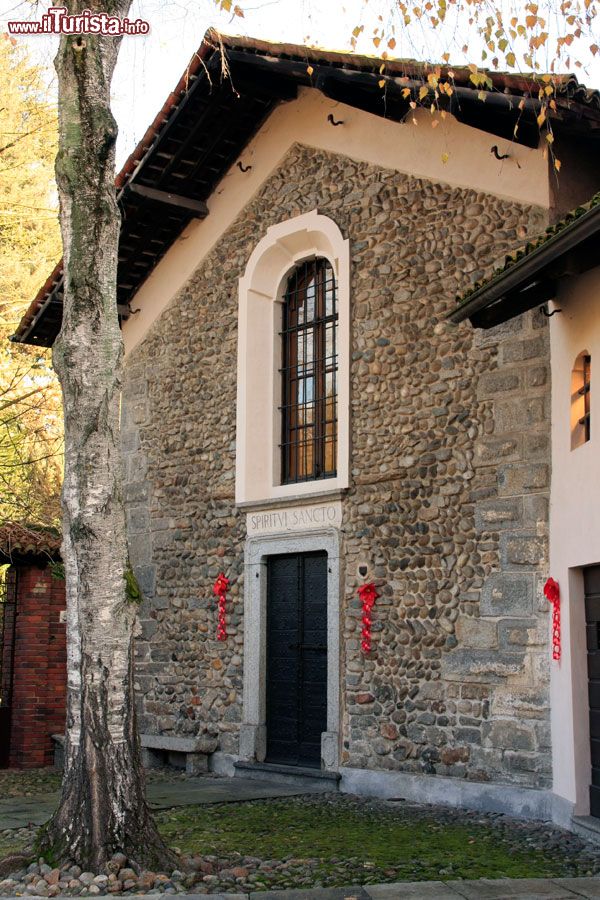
(483, 889)
(18, 812)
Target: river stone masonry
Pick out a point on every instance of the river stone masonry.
(449, 484)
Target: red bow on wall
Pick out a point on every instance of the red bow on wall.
(552, 593)
(220, 588)
(368, 595)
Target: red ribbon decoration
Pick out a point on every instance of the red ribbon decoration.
(368, 595)
(552, 593)
(220, 590)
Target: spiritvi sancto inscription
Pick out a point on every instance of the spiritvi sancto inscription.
(295, 518)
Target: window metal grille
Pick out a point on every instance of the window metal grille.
(584, 391)
(309, 374)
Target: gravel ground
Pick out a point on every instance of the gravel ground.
(553, 851)
(28, 782)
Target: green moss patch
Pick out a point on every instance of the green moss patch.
(346, 841)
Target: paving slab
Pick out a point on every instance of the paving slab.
(18, 812)
(193, 791)
(417, 890)
(581, 887)
(343, 893)
(508, 888)
(523, 889)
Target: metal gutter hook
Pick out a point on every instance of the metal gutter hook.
(497, 154)
(544, 311)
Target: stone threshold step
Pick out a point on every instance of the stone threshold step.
(587, 827)
(301, 776)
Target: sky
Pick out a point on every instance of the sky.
(150, 65)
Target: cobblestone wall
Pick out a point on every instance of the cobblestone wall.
(448, 504)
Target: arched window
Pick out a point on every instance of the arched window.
(294, 301)
(581, 377)
(309, 374)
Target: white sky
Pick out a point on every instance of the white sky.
(151, 65)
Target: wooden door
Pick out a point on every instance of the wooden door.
(296, 658)
(591, 578)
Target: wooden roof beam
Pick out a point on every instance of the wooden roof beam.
(198, 207)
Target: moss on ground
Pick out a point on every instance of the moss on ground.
(348, 844)
(342, 840)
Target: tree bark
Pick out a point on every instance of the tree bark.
(103, 808)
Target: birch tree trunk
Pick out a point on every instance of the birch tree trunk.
(103, 808)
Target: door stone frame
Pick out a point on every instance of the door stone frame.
(253, 731)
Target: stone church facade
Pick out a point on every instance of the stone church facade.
(447, 504)
(438, 491)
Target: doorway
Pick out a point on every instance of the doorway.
(591, 580)
(296, 683)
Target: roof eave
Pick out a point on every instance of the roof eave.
(527, 270)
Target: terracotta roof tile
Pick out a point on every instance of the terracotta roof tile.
(569, 92)
(22, 540)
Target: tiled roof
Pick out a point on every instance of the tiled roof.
(270, 70)
(530, 247)
(21, 540)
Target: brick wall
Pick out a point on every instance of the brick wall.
(39, 680)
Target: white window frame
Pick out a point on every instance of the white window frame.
(261, 296)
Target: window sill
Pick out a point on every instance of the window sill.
(327, 493)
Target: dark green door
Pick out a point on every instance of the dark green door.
(296, 658)
(591, 578)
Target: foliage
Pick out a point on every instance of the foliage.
(525, 36)
(57, 570)
(133, 592)
(540, 39)
(30, 413)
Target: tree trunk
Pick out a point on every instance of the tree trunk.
(103, 808)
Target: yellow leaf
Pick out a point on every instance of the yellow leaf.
(310, 70)
(423, 91)
(406, 93)
(392, 43)
(381, 82)
(550, 137)
(445, 158)
(542, 117)
(557, 164)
